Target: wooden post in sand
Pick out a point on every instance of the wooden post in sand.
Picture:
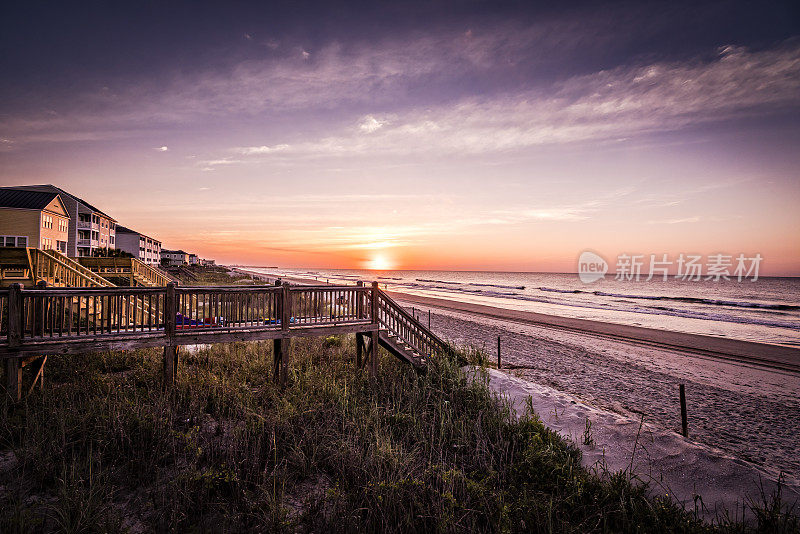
(684, 418)
(498, 352)
(429, 319)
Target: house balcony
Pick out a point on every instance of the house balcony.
(87, 225)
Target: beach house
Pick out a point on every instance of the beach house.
(90, 230)
(139, 245)
(35, 219)
(174, 258)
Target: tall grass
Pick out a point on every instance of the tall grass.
(106, 448)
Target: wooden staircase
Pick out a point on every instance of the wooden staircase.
(127, 271)
(28, 266)
(402, 350)
(405, 337)
(54, 257)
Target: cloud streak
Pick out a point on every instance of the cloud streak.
(391, 77)
(607, 105)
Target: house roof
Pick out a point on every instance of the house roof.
(29, 200)
(126, 230)
(66, 194)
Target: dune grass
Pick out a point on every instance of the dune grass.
(216, 276)
(106, 448)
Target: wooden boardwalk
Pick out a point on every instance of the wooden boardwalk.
(35, 323)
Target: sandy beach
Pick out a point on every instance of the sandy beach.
(744, 419)
(774, 356)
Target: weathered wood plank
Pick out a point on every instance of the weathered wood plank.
(13, 378)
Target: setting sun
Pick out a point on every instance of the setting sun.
(379, 263)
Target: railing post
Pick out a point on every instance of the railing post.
(170, 349)
(374, 309)
(359, 336)
(286, 318)
(360, 301)
(281, 345)
(276, 343)
(40, 311)
(15, 319)
(373, 362)
(13, 367)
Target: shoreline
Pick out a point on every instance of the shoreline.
(777, 357)
(773, 356)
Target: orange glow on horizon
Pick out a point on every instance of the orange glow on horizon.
(379, 263)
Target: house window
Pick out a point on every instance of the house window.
(61, 246)
(13, 241)
(47, 221)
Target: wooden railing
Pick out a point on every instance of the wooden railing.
(74, 314)
(319, 305)
(37, 322)
(227, 309)
(135, 271)
(152, 275)
(30, 266)
(72, 320)
(47, 267)
(394, 319)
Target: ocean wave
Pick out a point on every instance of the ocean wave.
(498, 285)
(688, 300)
(474, 284)
(640, 309)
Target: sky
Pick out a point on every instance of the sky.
(433, 135)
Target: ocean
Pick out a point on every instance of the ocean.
(766, 311)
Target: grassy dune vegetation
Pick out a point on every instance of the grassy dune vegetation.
(106, 448)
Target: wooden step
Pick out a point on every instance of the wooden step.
(401, 350)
